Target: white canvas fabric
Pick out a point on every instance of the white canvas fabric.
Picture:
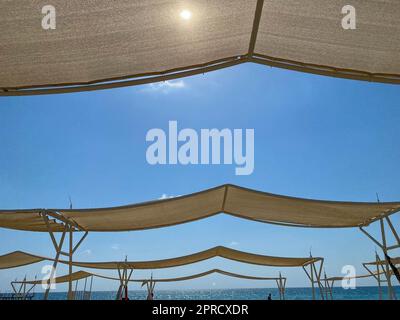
(229, 199)
(129, 42)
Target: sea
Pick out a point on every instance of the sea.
(360, 293)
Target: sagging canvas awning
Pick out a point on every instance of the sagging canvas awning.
(233, 200)
(395, 261)
(103, 44)
(219, 251)
(78, 275)
(20, 258)
(75, 276)
(353, 277)
(206, 273)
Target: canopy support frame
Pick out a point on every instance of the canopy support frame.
(256, 25)
(69, 227)
(317, 274)
(377, 275)
(385, 249)
(328, 287)
(124, 278)
(22, 291)
(281, 284)
(150, 284)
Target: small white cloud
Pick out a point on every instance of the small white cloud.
(165, 86)
(166, 196)
(233, 243)
(115, 247)
(87, 252)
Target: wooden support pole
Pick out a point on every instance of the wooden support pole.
(282, 284)
(70, 294)
(279, 288)
(331, 288)
(378, 275)
(327, 288)
(57, 247)
(318, 278)
(284, 288)
(256, 23)
(70, 227)
(393, 230)
(387, 271)
(312, 281)
(371, 237)
(24, 290)
(121, 283)
(90, 290)
(385, 248)
(311, 277)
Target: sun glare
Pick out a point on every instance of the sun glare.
(186, 14)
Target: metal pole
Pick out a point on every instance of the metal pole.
(327, 288)
(284, 288)
(70, 264)
(24, 290)
(393, 230)
(75, 295)
(378, 275)
(279, 289)
(58, 248)
(312, 281)
(90, 292)
(330, 290)
(318, 276)
(387, 271)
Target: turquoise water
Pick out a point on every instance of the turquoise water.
(361, 293)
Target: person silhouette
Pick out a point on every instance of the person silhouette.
(269, 297)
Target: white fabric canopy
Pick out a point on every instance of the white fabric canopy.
(19, 258)
(75, 276)
(78, 275)
(219, 251)
(229, 199)
(394, 261)
(128, 42)
(340, 278)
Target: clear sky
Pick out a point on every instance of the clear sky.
(315, 137)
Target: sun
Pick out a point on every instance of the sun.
(186, 14)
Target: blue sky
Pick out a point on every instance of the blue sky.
(315, 137)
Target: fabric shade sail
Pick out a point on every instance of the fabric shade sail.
(219, 251)
(229, 199)
(206, 273)
(103, 44)
(78, 275)
(371, 274)
(395, 261)
(353, 277)
(18, 258)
